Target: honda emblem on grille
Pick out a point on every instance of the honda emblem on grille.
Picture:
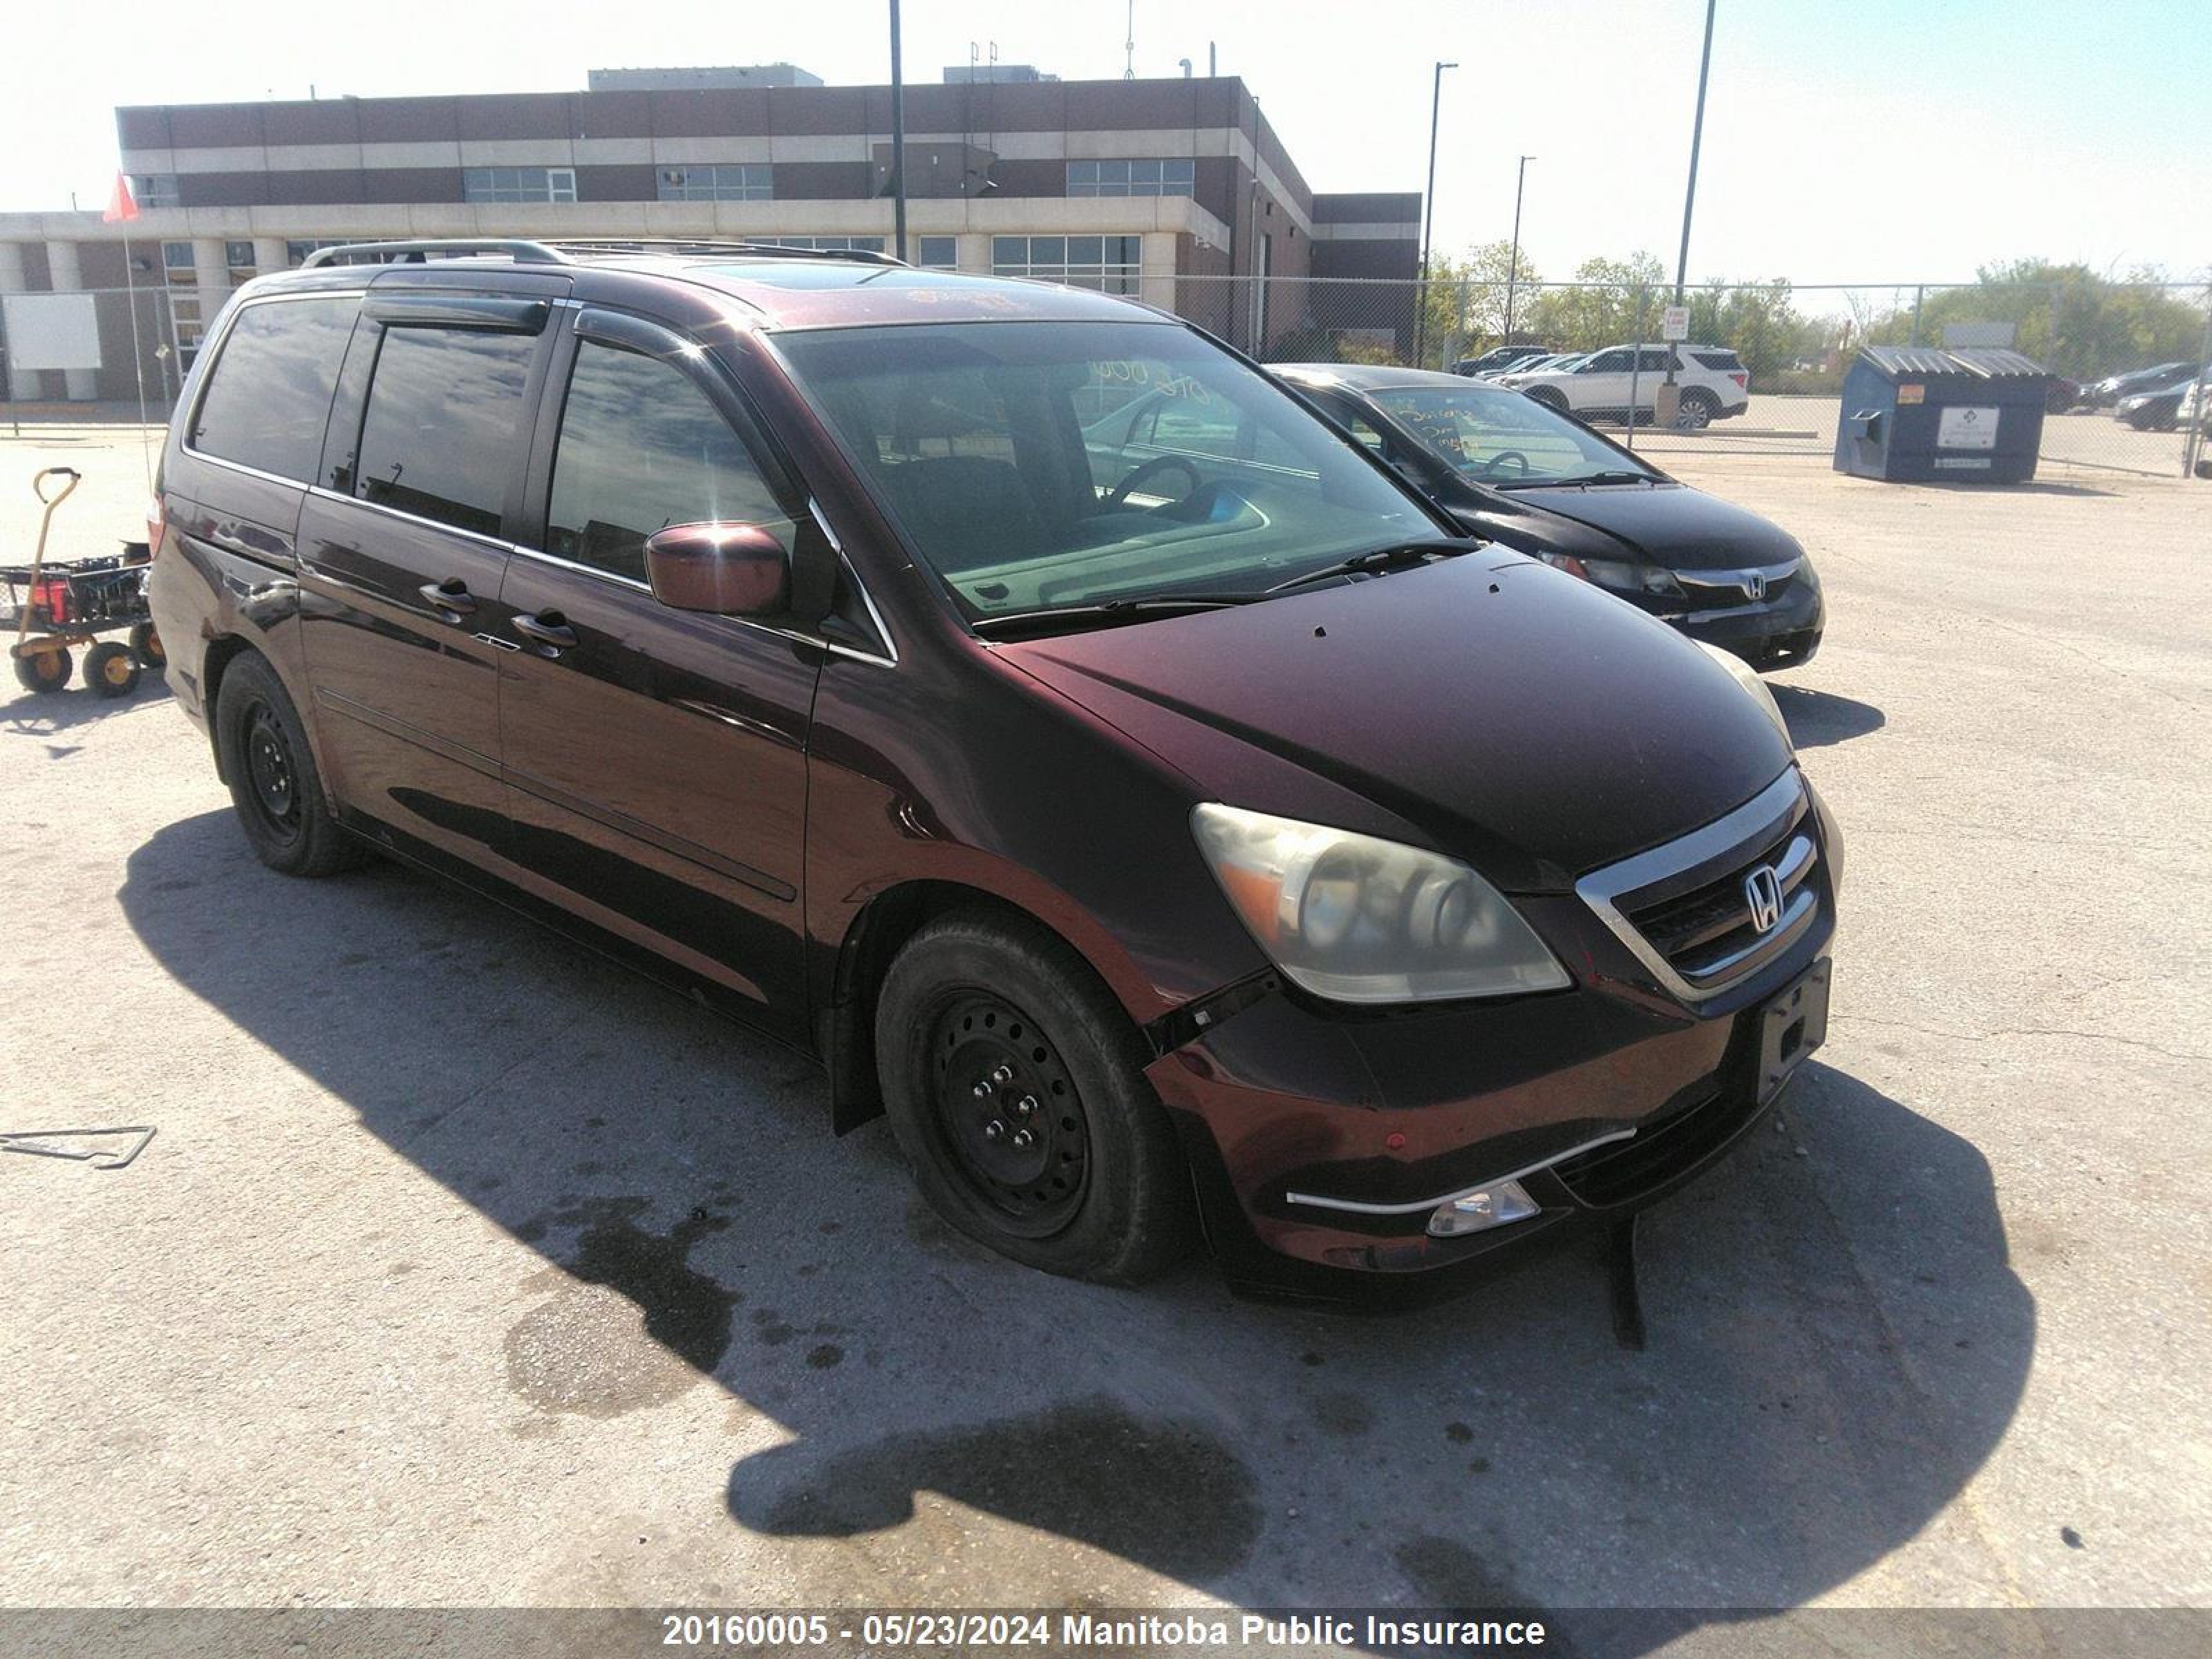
(1762, 893)
(1755, 584)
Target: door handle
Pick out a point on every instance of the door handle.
(450, 595)
(550, 631)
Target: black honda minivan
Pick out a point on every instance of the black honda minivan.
(1175, 831)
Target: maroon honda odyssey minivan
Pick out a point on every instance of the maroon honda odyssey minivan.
(1015, 699)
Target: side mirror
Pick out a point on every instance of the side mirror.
(728, 570)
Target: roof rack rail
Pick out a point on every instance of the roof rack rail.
(522, 253)
(688, 245)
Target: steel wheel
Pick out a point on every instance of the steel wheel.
(272, 775)
(1007, 1114)
(43, 670)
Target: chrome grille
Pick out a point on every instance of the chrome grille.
(1687, 908)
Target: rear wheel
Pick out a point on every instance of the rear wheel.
(1698, 409)
(110, 670)
(1015, 1086)
(146, 648)
(43, 671)
(273, 785)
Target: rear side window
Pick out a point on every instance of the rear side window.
(1722, 359)
(443, 429)
(269, 394)
(642, 447)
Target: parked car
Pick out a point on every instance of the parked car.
(1498, 358)
(1022, 704)
(1602, 386)
(1517, 372)
(2195, 409)
(2061, 395)
(1510, 470)
(2154, 405)
(2107, 392)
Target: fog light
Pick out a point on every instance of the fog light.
(1490, 1206)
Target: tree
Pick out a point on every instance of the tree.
(2069, 318)
(1609, 301)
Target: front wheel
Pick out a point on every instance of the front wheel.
(110, 670)
(1015, 1086)
(273, 785)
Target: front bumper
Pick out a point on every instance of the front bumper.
(1780, 632)
(1323, 1140)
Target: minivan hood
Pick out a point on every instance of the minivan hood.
(1675, 525)
(1517, 717)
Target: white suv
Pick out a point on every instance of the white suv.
(1603, 386)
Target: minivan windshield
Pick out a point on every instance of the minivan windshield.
(1087, 467)
(1503, 439)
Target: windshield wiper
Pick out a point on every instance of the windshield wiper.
(1105, 613)
(1382, 558)
(1616, 475)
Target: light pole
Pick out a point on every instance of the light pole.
(1513, 260)
(1665, 405)
(1697, 138)
(898, 142)
(1428, 212)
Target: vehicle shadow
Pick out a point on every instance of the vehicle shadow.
(1816, 718)
(45, 716)
(1838, 1340)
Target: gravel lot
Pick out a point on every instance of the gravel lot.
(466, 1269)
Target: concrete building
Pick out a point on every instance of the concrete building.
(1174, 190)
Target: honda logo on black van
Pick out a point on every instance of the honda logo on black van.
(1762, 893)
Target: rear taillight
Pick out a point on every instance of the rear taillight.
(157, 521)
(1742, 381)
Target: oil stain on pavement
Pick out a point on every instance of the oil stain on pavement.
(630, 1322)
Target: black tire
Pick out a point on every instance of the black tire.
(1103, 1192)
(146, 648)
(273, 786)
(1550, 398)
(44, 672)
(110, 670)
(1697, 410)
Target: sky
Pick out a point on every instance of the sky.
(1845, 141)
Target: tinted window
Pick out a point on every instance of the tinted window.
(979, 437)
(1654, 359)
(1718, 359)
(1500, 437)
(444, 424)
(642, 447)
(269, 395)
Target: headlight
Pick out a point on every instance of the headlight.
(1754, 687)
(1358, 920)
(1620, 575)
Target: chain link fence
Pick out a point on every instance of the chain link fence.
(1771, 356)
(1788, 345)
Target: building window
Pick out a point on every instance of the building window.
(517, 184)
(830, 244)
(237, 258)
(1107, 262)
(1161, 178)
(938, 253)
(723, 182)
(156, 190)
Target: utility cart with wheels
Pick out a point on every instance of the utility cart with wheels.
(57, 607)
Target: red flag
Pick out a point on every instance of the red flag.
(120, 206)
